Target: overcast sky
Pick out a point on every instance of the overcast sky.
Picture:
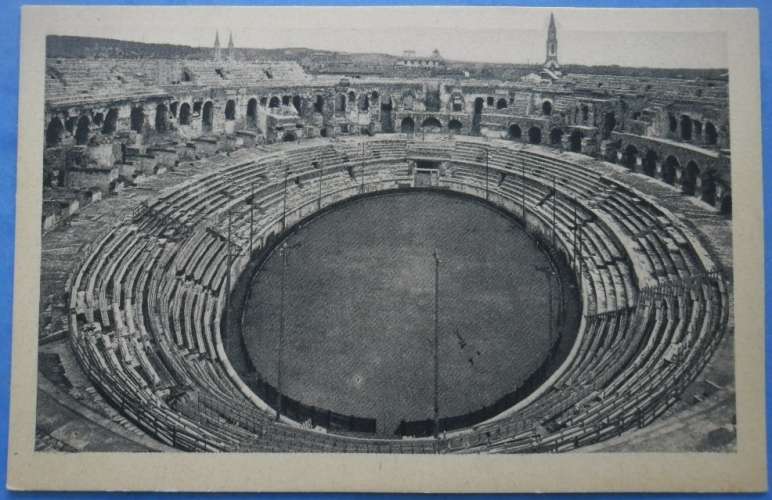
(673, 38)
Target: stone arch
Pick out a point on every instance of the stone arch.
(534, 135)
(111, 121)
(289, 136)
(319, 104)
(82, 130)
(672, 123)
(629, 156)
(364, 102)
(99, 119)
(407, 126)
(54, 132)
(274, 102)
(686, 128)
(374, 96)
(489, 101)
(340, 103)
(711, 134)
(501, 103)
(514, 132)
(455, 126)
(477, 115)
(709, 183)
(352, 97)
(546, 108)
(184, 114)
(609, 122)
(649, 163)
(297, 103)
(137, 119)
(207, 116)
(286, 100)
(726, 204)
(556, 136)
(387, 124)
(252, 112)
(161, 118)
(669, 169)
(689, 180)
(230, 109)
(575, 140)
(431, 124)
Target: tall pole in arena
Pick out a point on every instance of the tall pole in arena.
(283, 251)
(362, 176)
(284, 201)
(554, 203)
(522, 164)
(321, 172)
(576, 228)
(581, 278)
(251, 217)
(228, 273)
(436, 344)
(486, 173)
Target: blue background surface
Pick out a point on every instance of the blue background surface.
(10, 12)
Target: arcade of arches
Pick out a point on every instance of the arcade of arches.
(571, 123)
(691, 178)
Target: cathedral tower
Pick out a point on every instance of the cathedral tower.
(551, 62)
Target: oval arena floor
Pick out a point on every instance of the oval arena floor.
(147, 294)
(360, 308)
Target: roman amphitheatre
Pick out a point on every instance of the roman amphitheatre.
(329, 253)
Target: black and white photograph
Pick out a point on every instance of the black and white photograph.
(369, 230)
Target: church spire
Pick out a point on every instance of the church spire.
(551, 61)
(231, 47)
(217, 50)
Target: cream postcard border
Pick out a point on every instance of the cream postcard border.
(744, 470)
